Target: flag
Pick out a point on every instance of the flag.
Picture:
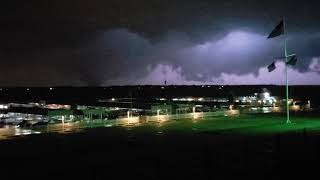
(292, 60)
(277, 31)
(271, 67)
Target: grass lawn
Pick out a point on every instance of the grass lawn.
(244, 124)
(206, 148)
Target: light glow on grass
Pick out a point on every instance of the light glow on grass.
(244, 124)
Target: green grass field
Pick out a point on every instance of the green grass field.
(244, 124)
(186, 148)
(255, 124)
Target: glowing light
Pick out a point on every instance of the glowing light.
(197, 115)
(128, 114)
(232, 113)
(163, 118)
(133, 120)
(266, 95)
(266, 110)
(3, 106)
(275, 109)
(295, 107)
(158, 113)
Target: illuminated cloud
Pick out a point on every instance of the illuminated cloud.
(315, 64)
(276, 77)
(172, 75)
(107, 42)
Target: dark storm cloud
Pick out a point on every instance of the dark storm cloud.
(93, 42)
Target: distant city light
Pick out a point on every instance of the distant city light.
(3, 106)
(266, 95)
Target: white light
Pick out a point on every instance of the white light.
(3, 106)
(113, 99)
(267, 95)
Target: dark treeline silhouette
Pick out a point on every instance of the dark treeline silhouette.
(85, 95)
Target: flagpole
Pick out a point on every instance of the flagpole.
(286, 69)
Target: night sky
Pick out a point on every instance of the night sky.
(129, 42)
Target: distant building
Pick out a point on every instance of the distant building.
(257, 99)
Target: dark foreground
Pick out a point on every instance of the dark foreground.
(118, 153)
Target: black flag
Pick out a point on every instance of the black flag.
(277, 31)
(271, 67)
(292, 60)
